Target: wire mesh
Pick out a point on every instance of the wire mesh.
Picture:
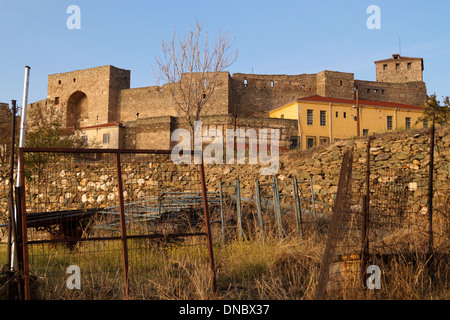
(74, 219)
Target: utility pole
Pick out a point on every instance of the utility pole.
(357, 114)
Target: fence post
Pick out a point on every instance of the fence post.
(238, 208)
(258, 208)
(123, 229)
(365, 218)
(11, 223)
(208, 226)
(337, 222)
(430, 190)
(221, 213)
(298, 212)
(23, 217)
(312, 199)
(277, 206)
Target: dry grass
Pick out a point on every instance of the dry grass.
(280, 269)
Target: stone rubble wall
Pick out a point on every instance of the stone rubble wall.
(95, 185)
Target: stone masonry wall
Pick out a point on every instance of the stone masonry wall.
(413, 93)
(100, 85)
(157, 101)
(409, 150)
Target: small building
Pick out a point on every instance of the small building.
(106, 136)
(322, 120)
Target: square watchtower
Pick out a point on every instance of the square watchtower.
(399, 69)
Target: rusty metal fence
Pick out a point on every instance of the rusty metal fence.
(379, 218)
(113, 218)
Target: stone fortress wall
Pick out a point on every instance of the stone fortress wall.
(97, 96)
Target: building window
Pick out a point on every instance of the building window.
(408, 123)
(74, 80)
(245, 82)
(59, 81)
(409, 65)
(57, 100)
(295, 142)
(323, 118)
(310, 142)
(309, 117)
(324, 140)
(389, 122)
(337, 114)
(365, 132)
(282, 116)
(345, 115)
(106, 138)
(425, 124)
(340, 83)
(397, 66)
(271, 83)
(384, 67)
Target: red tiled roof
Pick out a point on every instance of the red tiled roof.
(361, 102)
(110, 124)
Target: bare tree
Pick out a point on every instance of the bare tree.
(190, 65)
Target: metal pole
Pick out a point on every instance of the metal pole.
(277, 206)
(238, 209)
(298, 212)
(123, 229)
(312, 198)
(358, 130)
(11, 224)
(208, 226)
(365, 222)
(23, 116)
(430, 187)
(23, 210)
(21, 145)
(221, 212)
(258, 208)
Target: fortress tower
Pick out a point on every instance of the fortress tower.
(399, 69)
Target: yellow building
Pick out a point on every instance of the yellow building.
(322, 120)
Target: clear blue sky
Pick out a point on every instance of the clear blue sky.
(272, 37)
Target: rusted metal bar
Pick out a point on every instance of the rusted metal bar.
(87, 150)
(208, 226)
(238, 208)
(298, 212)
(365, 218)
(277, 207)
(313, 199)
(123, 230)
(137, 236)
(222, 221)
(259, 208)
(17, 259)
(430, 187)
(22, 213)
(337, 222)
(11, 223)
